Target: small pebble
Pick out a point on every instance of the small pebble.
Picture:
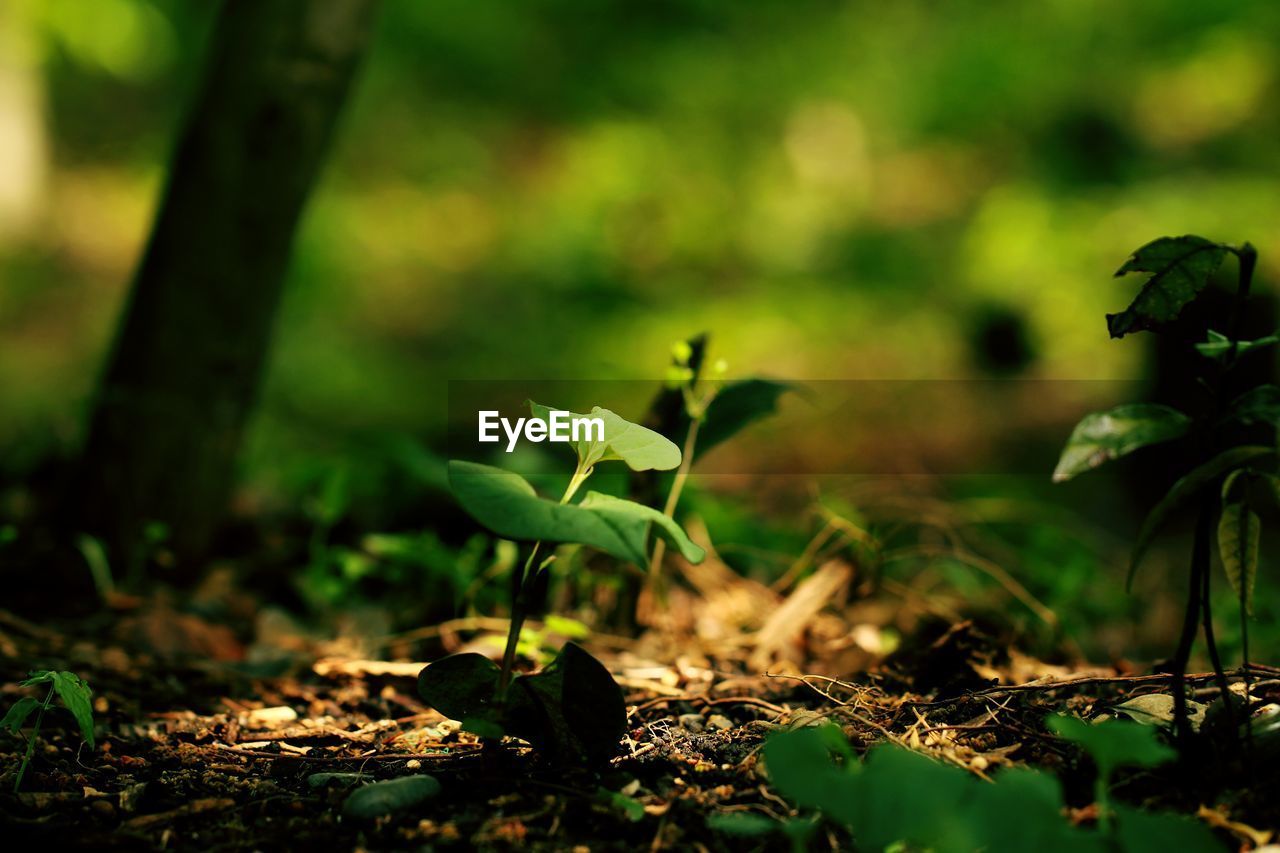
(719, 722)
(103, 810)
(692, 723)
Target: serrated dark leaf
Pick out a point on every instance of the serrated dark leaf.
(1179, 268)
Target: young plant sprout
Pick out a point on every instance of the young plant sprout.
(709, 409)
(1224, 480)
(74, 693)
(572, 709)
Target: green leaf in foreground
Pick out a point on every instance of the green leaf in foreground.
(1144, 832)
(1179, 269)
(1103, 436)
(640, 448)
(1113, 743)
(1185, 489)
(506, 504)
(746, 824)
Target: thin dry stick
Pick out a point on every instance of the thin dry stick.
(802, 562)
(1084, 681)
(987, 567)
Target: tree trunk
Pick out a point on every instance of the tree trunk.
(190, 350)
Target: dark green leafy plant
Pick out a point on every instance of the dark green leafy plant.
(1223, 479)
(74, 693)
(572, 709)
(899, 799)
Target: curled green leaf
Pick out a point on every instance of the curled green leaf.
(640, 448)
(1103, 436)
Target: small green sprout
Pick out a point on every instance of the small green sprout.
(74, 693)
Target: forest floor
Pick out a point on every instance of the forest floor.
(202, 746)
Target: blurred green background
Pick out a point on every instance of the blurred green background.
(561, 188)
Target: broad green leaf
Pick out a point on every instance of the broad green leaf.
(641, 448)
(572, 710)
(1218, 345)
(1103, 436)
(1179, 269)
(1156, 832)
(393, 795)
(462, 686)
(736, 406)
(18, 713)
(75, 693)
(1113, 743)
(800, 767)
(632, 521)
(905, 796)
(1238, 531)
(1185, 489)
(506, 504)
(1261, 404)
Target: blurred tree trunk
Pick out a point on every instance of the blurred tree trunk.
(189, 354)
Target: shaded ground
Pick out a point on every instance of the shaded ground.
(212, 756)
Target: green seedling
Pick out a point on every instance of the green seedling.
(74, 693)
(1223, 481)
(897, 799)
(572, 709)
(701, 409)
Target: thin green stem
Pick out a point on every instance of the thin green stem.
(519, 604)
(1199, 561)
(673, 500)
(31, 743)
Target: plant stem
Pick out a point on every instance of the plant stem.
(31, 744)
(1211, 644)
(673, 499)
(519, 606)
(1199, 561)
